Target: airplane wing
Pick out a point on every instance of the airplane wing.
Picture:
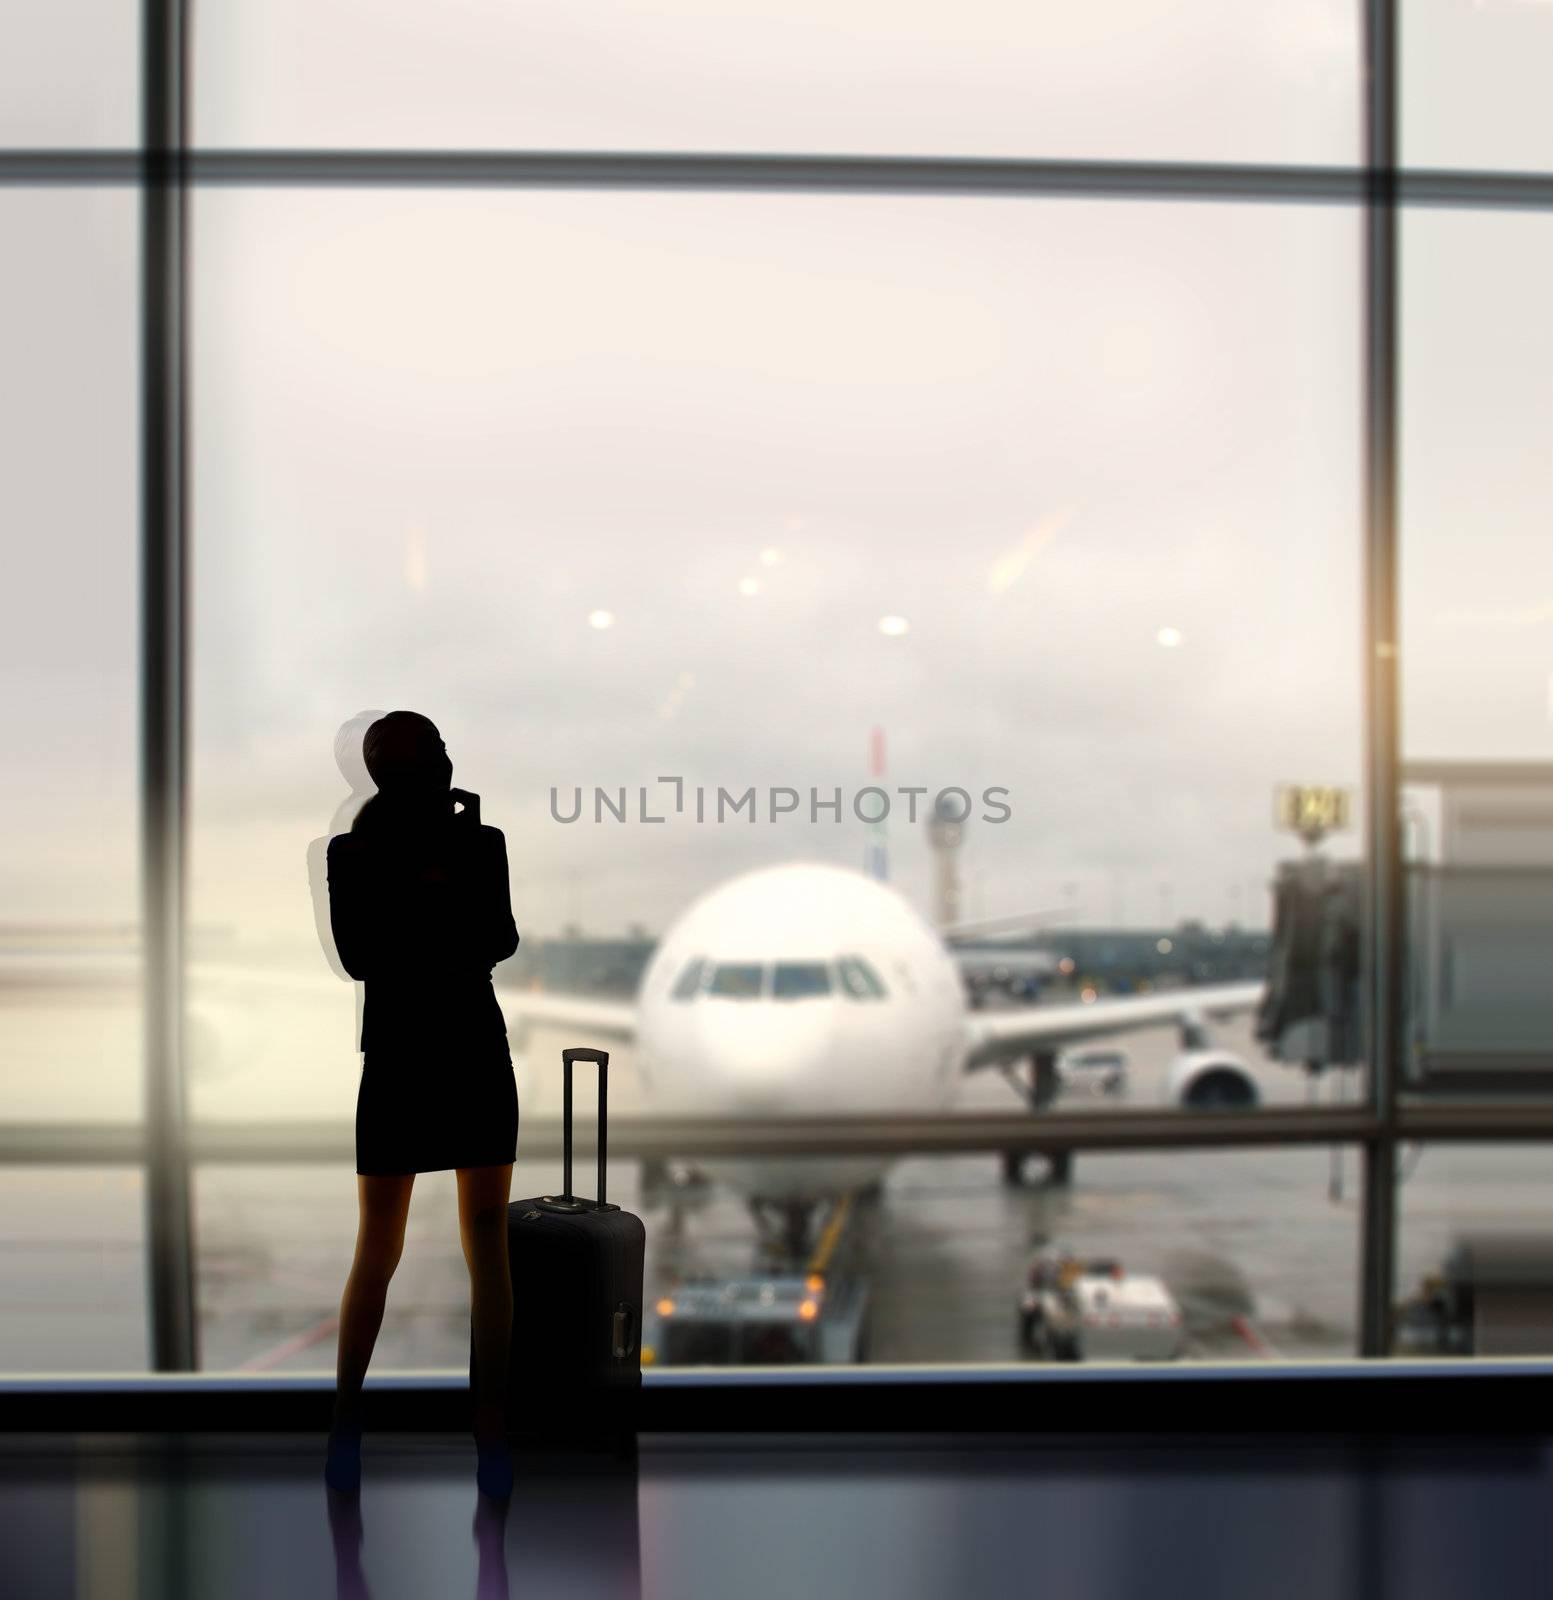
(593, 1018)
(994, 1036)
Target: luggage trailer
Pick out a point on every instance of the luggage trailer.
(818, 1313)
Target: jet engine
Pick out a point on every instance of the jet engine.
(1211, 1080)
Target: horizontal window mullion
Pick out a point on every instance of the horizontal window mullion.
(805, 174)
(637, 1136)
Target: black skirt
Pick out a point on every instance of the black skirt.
(418, 1113)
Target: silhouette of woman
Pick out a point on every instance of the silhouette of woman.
(420, 909)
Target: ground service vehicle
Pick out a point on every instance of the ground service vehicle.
(1075, 1310)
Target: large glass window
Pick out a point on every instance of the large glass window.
(1250, 1249)
(1061, 494)
(503, 455)
(1476, 604)
(69, 75)
(72, 1269)
(1477, 481)
(69, 945)
(1474, 82)
(1474, 1260)
(1210, 80)
(700, 519)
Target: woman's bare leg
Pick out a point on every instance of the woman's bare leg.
(385, 1204)
(482, 1225)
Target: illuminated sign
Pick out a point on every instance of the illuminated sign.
(1312, 810)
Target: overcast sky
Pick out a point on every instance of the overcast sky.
(1239, 80)
(433, 432)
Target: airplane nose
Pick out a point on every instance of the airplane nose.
(765, 1054)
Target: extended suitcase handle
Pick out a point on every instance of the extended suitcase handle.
(568, 1201)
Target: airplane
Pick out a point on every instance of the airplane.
(802, 989)
(807, 988)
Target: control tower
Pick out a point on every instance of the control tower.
(946, 833)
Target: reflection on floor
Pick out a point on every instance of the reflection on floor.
(108, 1517)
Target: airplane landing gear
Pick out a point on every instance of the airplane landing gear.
(784, 1223)
(1038, 1089)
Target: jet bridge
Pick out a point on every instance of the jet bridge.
(1478, 909)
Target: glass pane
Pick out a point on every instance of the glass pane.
(70, 1015)
(800, 980)
(70, 73)
(1476, 601)
(688, 982)
(858, 979)
(1207, 80)
(1474, 1257)
(736, 982)
(1060, 496)
(1247, 1250)
(1474, 84)
(72, 1270)
(275, 1243)
(670, 502)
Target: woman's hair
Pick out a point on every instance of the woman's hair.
(404, 756)
(399, 747)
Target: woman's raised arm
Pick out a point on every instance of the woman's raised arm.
(498, 936)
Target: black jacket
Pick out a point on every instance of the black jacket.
(423, 925)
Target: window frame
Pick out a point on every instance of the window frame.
(164, 170)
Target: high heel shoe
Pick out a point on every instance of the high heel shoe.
(342, 1464)
(493, 1474)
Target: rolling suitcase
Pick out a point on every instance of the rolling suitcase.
(576, 1365)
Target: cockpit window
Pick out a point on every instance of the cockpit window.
(689, 981)
(736, 981)
(859, 981)
(800, 980)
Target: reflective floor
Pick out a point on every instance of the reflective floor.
(102, 1517)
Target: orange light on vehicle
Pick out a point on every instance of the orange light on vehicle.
(665, 1308)
(808, 1310)
(814, 1283)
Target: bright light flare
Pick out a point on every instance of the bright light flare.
(1010, 567)
(1169, 638)
(894, 627)
(601, 619)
